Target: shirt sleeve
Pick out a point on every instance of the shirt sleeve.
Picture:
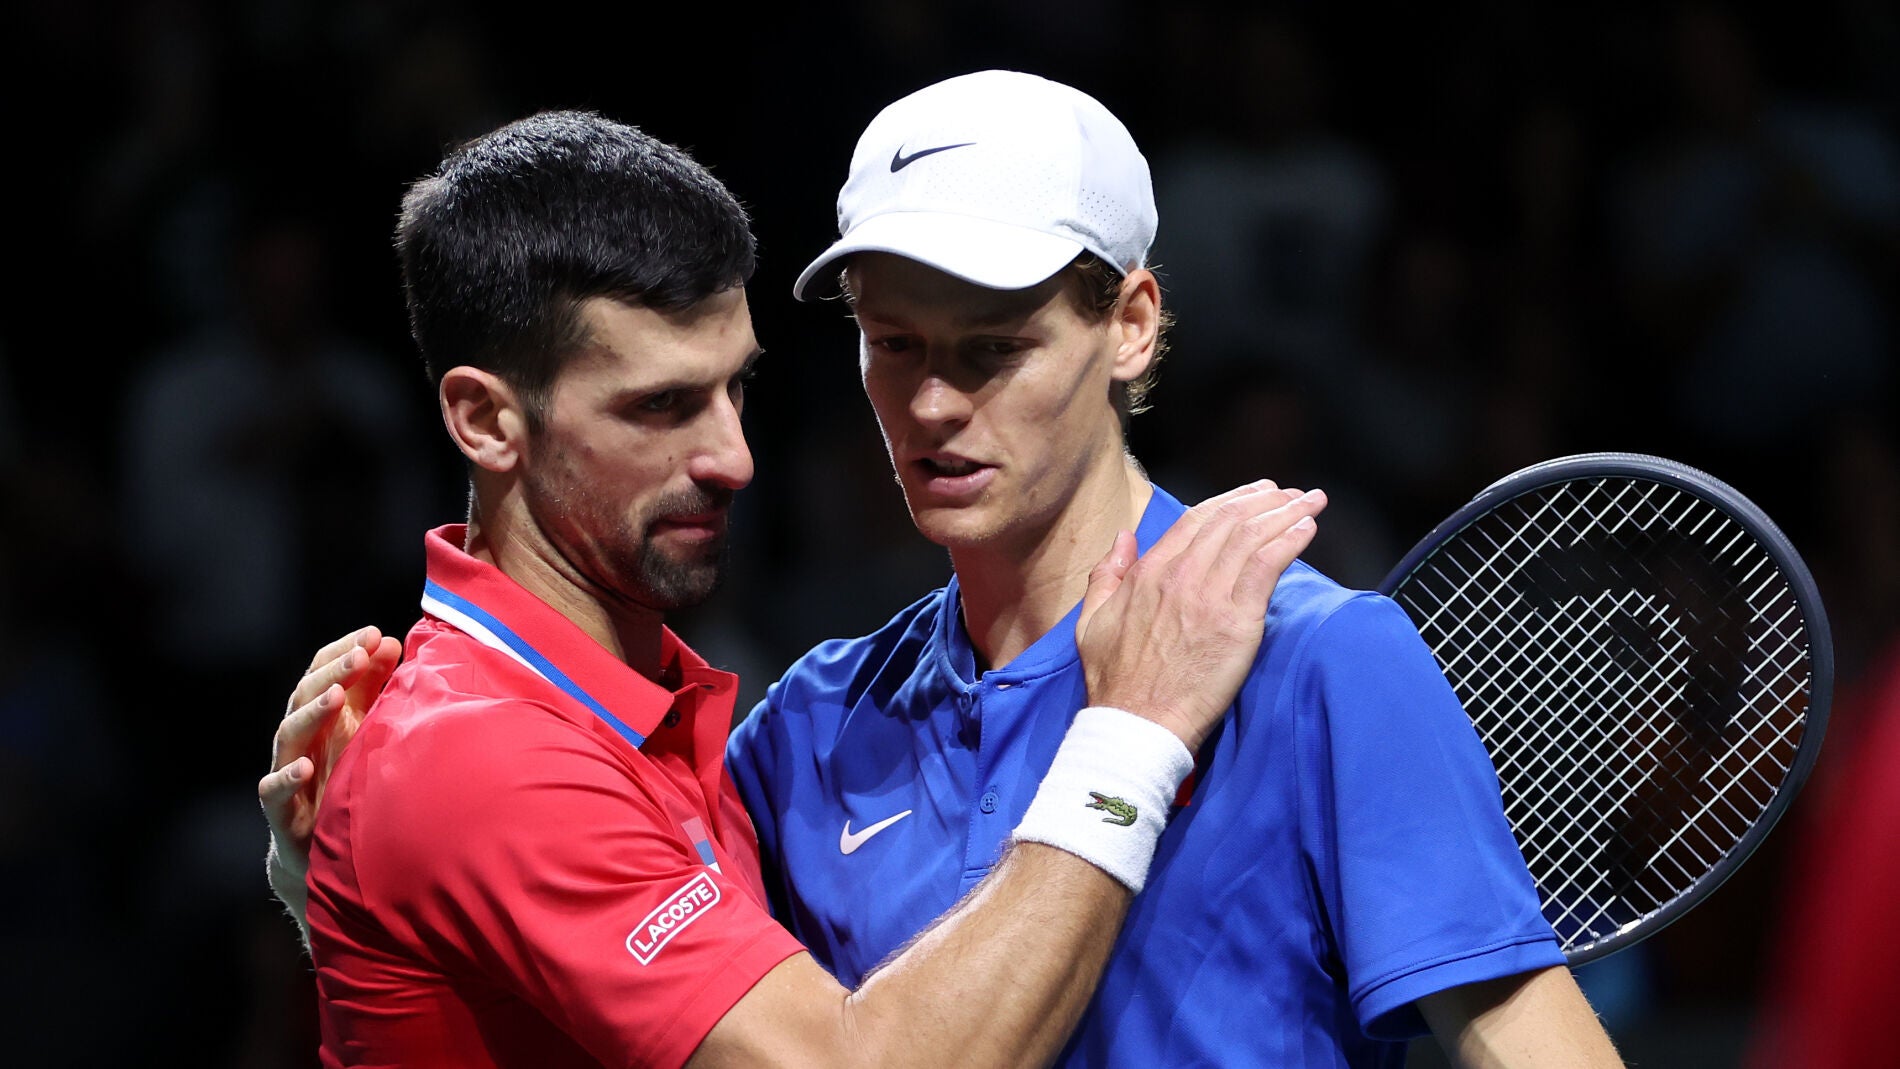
(1421, 880)
(544, 868)
(750, 753)
(747, 755)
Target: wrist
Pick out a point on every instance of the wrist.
(1107, 794)
(1174, 713)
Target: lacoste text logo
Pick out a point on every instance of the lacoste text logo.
(682, 908)
(899, 161)
(1119, 812)
(849, 841)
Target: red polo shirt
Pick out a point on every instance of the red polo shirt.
(524, 857)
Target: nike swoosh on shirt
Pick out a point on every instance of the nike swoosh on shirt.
(899, 161)
(849, 841)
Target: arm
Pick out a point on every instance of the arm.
(325, 709)
(1004, 976)
(999, 980)
(1535, 1020)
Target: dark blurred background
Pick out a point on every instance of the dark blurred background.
(1410, 251)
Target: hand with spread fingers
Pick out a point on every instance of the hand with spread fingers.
(1172, 635)
(324, 712)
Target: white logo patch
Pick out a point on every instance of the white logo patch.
(849, 841)
(682, 908)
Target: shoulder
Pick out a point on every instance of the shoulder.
(1305, 600)
(818, 690)
(849, 664)
(1310, 606)
(449, 803)
(1332, 647)
(460, 734)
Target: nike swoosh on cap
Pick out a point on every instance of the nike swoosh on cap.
(849, 841)
(899, 161)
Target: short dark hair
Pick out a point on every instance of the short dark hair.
(518, 227)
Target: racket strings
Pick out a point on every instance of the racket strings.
(1639, 726)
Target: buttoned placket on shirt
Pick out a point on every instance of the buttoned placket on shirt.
(1016, 724)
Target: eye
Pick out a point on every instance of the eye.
(892, 343)
(736, 386)
(659, 403)
(994, 353)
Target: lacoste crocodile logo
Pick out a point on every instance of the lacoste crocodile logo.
(1119, 812)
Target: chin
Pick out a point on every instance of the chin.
(679, 592)
(667, 583)
(956, 528)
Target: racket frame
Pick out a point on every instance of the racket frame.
(1731, 502)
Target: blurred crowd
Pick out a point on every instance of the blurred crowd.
(1408, 252)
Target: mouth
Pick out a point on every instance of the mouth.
(694, 526)
(951, 477)
(949, 466)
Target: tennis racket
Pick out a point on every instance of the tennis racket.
(1646, 659)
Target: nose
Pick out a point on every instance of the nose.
(723, 459)
(938, 401)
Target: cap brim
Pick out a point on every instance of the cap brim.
(998, 256)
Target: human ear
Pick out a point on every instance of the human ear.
(485, 417)
(1136, 323)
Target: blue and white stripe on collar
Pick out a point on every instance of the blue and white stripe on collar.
(483, 627)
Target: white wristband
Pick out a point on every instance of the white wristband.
(1106, 796)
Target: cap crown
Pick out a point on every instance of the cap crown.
(998, 151)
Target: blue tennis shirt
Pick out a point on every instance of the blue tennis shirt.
(1343, 850)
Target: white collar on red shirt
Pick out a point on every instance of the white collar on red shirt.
(494, 610)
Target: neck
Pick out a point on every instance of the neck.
(511, 542)
(1014, 593)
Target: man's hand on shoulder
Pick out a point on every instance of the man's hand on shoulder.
(1170, 636)
(323, 714)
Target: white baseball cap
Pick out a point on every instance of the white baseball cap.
(999, 178)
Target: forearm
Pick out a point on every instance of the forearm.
(1003, 978)
(999, 981)
(1538, 1020)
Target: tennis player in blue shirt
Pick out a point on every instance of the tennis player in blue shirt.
(1339, 874)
